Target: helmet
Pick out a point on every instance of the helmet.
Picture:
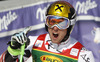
(62, 9)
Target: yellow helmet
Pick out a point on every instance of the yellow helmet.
(62, 9)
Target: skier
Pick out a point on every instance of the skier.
(55, 46)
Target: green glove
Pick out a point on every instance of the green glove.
(14, 52)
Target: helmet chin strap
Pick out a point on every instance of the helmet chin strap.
(67, 34)
(65, 38)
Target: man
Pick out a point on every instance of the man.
(56, 46)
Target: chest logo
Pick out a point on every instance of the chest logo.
(49, 58)
(39, 43)
(74, 51)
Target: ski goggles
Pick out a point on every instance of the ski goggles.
(60, 22)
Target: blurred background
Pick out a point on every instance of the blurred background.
(15, 15)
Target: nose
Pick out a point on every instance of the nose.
(55, 28)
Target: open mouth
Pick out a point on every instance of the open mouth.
(55, 35)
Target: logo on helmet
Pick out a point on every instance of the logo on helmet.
(58, 7)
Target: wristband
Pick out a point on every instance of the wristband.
(13, 52)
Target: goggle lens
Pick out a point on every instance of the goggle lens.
(61, 23)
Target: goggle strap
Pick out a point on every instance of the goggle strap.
(72, 22)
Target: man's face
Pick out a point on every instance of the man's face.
(57, 34)
(57, 28)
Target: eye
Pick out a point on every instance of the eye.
(52, 22)
(61, 19)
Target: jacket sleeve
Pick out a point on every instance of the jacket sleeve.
(86, 56)
(6, 57)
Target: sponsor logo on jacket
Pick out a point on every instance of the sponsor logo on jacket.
(49, 58)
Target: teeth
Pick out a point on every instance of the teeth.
(55, 33)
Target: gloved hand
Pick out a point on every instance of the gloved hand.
(19, 37)
(17, 40)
